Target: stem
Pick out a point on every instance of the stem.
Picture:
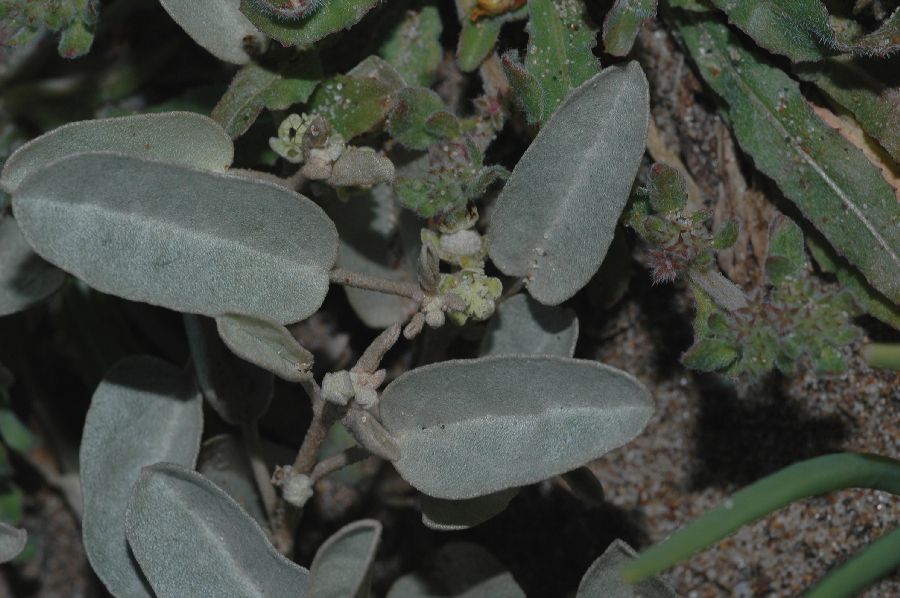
(725, 293)
(882, 355)
(352, 455)
(380, 285)
(253, 446)
(323, 417)
(793, 483)
(868, 566)
(374, 353)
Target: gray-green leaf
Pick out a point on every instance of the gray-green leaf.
(240, 392)
(182, 138)
(622, 23)
(217, 25)
(471, 427)
(188, 240)
(25, 278)
(144, 411)
(557, 213)
(521, 325)
(223, 460)
(266, 343)
(328, 19)
(603, 578)
(192, 539)
(452, 515)
(12, 542)
(342, 565)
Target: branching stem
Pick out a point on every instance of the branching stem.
(380, 285)
(331, 464)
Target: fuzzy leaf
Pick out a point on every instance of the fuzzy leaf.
(560, 47)
(603, 578)
(267, 344)
(454, 515)
(254, 88)
(217, 25)
(177, 137)
(407, 121)
(529, 93)
(710, 355)
(361, 167)
(223, 460)
(370, 434)
(467, 428)
(830, 180)
(666, 189)
(192, 539)
(622, 23)
(785, 256)
(476, 41)
(352, 105)
(330, 18)
(459, 570)
(524, 326)
(144, 411)
(14, 433)
(238, 391)
(414, 46)
(178, 237)
(25, 278)
(557, 213)
(342, 565)
(12, 542)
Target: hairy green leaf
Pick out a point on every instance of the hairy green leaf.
(192, 539)
(188, 240)
(603, 578)
(529, 93)
(560, 47)
(352, 105)
(476, 41)
(471, 427)
(223, 460)
(453, 515)
(14, 433)
(557, 213)
(459, 570)
(25, 278)
(409, 116)
(240, 392)
(267, 344)
(785, 257)
(342, 565)
(12, 542)
(524, 326)
(218, 26)
(361, 167)
(178, 137)
(144, 411)
(414, 46)
(830, 180)
(328, 19)
(622, 23)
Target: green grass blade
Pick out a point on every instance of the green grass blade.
(871, 564)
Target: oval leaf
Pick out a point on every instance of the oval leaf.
(557, 213)
(217, 25)
(471, 427)
(176, 137)
(240, 392)
(144, 411)
(188, 240)
(266, 343)
(25, 278)
(327, 19)
(524, 326)
(452, 515)
(603, 578)
(223, 460)
(342, 566)
(12, 542)
(192, 539)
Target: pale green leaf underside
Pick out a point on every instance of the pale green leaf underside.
(144, 411)
(267, 344)
(25, 278)
(183, 138)
(453, 515)
(192, 539)
(12, 542)
(521, 325)
(603, 578)
(217, 25)
(342, 565)
(557, 213)
(459, 570)
(184, 239)
(468, 428)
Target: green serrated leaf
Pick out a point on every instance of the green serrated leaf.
(342, 565)
(144, 411)
(267, 344)
(414, 46)
(557, 213)
(622, 23)
(467, 428)
(166, 234)
(831, 181)
(727, 235)
(352, 105)
(175, 516)
(224, 36)
(523, 326)
(560, 47)
(329, 18)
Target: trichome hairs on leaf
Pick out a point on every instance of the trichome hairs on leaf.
(288, 10)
